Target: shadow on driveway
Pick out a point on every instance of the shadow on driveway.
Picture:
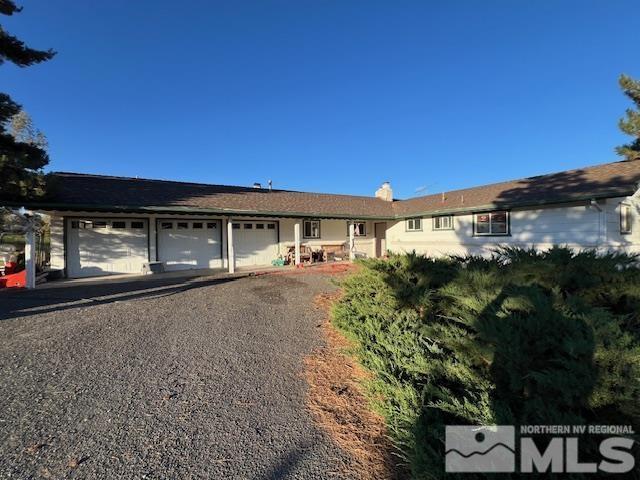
(23, 303)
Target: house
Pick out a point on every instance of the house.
(103, 225)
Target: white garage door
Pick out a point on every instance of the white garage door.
(255, 243)
(104, 246)
(186, 244)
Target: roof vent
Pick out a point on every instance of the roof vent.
(385, 192)
(257, 185)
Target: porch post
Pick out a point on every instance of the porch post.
(352, 243)
(231, 257)
(296, 238)
(29, 257)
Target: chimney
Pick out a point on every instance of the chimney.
(385, 192)
(257, 185)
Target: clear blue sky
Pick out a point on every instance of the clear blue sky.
(324, 95)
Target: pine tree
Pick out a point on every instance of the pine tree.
(630, 124)
(21, 158)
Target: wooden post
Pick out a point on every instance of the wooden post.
(296, 238)
(30, 257)
(352, 241)
(231, 256)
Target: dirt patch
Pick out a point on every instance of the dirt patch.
(339, 407)
(319, 268)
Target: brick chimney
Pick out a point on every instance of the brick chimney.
(385, 192)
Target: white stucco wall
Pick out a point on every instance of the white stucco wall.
(578, 226)
(57, 243)
(332, 232)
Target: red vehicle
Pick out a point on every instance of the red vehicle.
(9, 260)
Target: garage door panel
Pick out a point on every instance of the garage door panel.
(184, 245)
(98, 246)
(255, 243)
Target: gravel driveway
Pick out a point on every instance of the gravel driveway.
(162, 378)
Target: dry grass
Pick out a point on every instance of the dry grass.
(339, 407)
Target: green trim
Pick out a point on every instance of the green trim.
(509, 206)
(191, 210)
(314, 215)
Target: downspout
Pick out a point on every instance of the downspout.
(603, 219)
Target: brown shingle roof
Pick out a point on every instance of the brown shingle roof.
(77, 191)
(609, 179)
(130, 193)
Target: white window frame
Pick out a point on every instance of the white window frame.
(311, 235)
(491, 233)
(410, 224)
(437, 222)
(356, 229)
(626, 219)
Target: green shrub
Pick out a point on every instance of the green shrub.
(522, 338)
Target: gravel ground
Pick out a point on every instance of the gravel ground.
(166, 378)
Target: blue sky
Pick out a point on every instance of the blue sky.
(332, 96)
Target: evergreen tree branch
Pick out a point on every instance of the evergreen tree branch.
(15, 51)
(7, 7)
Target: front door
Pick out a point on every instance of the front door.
(381, 238)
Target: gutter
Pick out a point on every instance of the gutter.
(508, 206)
(197, 210)
(263, 213)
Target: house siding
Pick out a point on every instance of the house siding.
(577, 226)
(615, 240)
(57, 243)
(332, 232)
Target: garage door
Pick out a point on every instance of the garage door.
(186, 244)
(255, 243)
(104, 246)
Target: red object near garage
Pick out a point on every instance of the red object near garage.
(10, 267)
(14, 280)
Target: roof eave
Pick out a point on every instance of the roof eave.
(153, 209)
(46, 206)
(511, 205)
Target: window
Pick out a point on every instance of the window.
(443, 222)
(137, 225)
(271, 226)
(166, 225)
(260, 226)
(182, 225)
(311, 229)
(212, 225)
(236, 226)
(414, 225)
(625, 218)
(248, 226)
(359, 229)
(197, 225)
(493, 223)
(74, 224)
(118, 224)
(100, 224)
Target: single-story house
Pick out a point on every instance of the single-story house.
(104, 225)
